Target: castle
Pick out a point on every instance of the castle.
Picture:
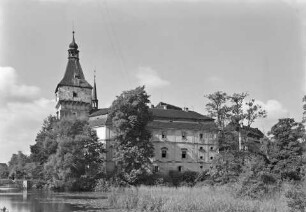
(183, 140)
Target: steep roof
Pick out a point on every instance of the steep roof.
(74, 74)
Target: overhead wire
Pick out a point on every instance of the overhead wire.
(111, 33)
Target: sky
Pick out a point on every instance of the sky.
(180, 50)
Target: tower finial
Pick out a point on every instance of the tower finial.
(94, 94)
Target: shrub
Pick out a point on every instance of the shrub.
(296, 199)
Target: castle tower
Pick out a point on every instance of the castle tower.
(95, 100)
(73, 93)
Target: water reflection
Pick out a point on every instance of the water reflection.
(50, 201)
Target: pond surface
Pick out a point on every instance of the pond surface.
(37, 201)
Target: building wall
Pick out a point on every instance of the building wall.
(66, 93)
(73, 101)
(200, 152)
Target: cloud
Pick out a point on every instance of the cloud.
(22, 113)
(11, 90)
(275, 110)
(150, 78)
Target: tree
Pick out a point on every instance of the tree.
(253, 112)
(4, 171)
(286, 149)
(130, 115)
(46, 144)
(217, 108)
(77, 162)
(17, 165)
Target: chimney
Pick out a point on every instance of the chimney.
(152, 106)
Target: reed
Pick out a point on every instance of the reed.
(204, 199)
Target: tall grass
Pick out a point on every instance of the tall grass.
(202, 199)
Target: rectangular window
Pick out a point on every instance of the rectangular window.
(75, 94)
(164, 153)
(164, 135)
(179, 168)
(201, 136)
(184, 135)
(184, 154)
(156, 168)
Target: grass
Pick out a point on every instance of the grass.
(201, 199)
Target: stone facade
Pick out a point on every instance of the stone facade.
(183, 140)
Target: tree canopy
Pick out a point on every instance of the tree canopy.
(133, 150)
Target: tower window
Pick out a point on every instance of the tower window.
(201, 148)
(75, 94)
(184, 153)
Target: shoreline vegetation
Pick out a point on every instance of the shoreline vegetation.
(205, 198)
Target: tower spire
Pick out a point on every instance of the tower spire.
(73, 51)
(95, 100)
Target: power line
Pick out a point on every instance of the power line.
(111, 33)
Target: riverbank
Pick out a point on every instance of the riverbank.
(196, 199)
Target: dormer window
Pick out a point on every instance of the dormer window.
(77, 76)
(75, 94)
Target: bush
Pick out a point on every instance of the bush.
(187, 178)
(296, 199)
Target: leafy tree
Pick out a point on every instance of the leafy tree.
(217, 108)
(253, 112)
(286, 149)
(4, 171)
(17, 165)
(130, 116)
(77, 162)
(46, 143)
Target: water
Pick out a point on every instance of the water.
(36, 201)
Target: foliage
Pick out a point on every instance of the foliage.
(130, 116)
(285, 153)
(206, 198)
(296, 199)
(256, 181)
(4, 171)
(217, 108)
(253, 112)
(187, 178)
(77, 162)
(231, 112)
(17, 166)
(227, 166)
(46, 143)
